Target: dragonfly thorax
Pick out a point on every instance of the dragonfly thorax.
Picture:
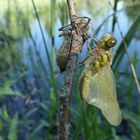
(100, 59)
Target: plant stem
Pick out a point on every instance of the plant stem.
(65, 99)
(43, 37)
(78, 37)
(125, 46)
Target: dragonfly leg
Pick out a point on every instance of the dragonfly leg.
(83, 62)
(65, 30)
(95, 39)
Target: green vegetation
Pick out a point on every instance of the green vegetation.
(29, 76)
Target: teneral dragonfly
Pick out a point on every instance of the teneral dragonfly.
(97, 82)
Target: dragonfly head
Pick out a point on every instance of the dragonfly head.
(107, 41)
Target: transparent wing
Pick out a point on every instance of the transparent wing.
(102, 94)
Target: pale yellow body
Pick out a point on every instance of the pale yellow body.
(97, 85)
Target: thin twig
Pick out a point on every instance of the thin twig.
(129, 59)
(78, 37)
(71, 9)
(65, 96)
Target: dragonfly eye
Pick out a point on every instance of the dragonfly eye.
(111, 42)
(108, 41)
(106, 37)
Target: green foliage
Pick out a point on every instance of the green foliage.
(128, 38)
(87, 121)
(6, 87)
(13, 130)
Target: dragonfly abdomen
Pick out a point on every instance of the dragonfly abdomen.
(84, 84)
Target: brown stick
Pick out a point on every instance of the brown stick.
(65, 96)
(71, 9)
(78, 37)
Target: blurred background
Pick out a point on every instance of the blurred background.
(30, 79)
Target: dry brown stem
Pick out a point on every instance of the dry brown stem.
(78, 37)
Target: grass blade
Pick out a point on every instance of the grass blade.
(125, 49)
(128, 37)
(13, 130)
(43, 37)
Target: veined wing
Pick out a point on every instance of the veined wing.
(102, 94)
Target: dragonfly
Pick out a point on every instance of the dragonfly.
(97, 82)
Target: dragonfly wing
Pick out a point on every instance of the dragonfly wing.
(102, 94)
